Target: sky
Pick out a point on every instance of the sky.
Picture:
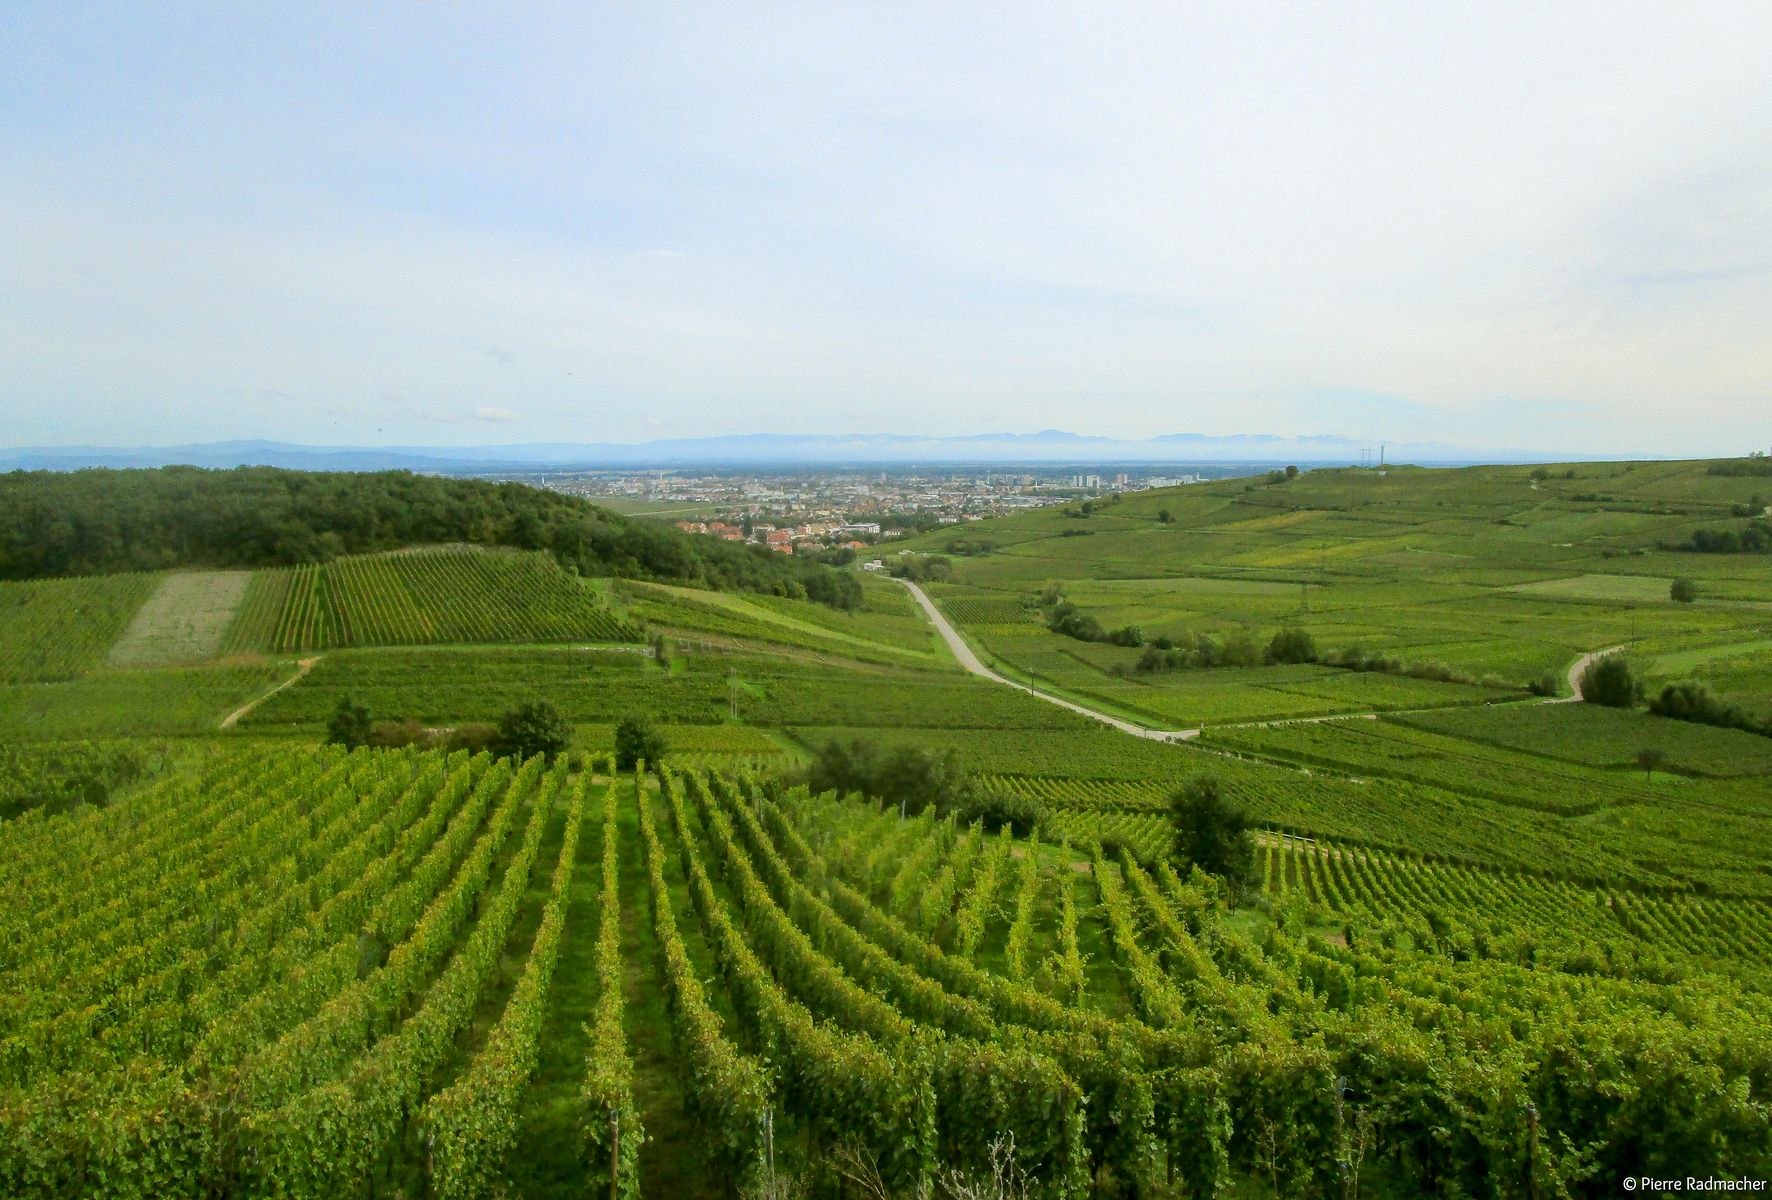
(1544, 226)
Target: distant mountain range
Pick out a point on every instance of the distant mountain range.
(761, 449)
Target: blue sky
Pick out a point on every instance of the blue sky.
(1542, 226)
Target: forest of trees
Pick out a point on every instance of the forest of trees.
(100, 521)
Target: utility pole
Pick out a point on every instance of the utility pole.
(732, 676)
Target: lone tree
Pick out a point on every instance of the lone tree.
(1651, 758)
(1211, 832)
(534, 728)
(1683, 590)
(1611, 681)
(350, 725)
(1292, 646)
(637, 740)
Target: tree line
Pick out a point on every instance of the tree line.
(102, 521)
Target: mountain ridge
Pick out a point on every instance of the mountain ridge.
(1045, 446)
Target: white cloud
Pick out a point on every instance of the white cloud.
(492, 412)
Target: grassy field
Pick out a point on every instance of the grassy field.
(184, 621)
(1488, 570)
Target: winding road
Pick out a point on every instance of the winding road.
(971, 662)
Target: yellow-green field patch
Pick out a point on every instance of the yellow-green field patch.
(1599, 587)
(184, 620)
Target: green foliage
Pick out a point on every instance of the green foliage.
(611, 1125)
(1211, 832)
(905, 777)
(471, 1127)
(921, 568)
(637, 740)
(58, 776)
(422, 597)
(87, 522)
(62, 628)
(534, 728)
(1756, 464)
(350, 725)
(1682, 591)
(1692, 700)
(1292, 645)
(1611, 681)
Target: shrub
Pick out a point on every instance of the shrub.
(1611, 681)
(1690, 700)
(907, 776)
(534, 728)
(1211, 832)
(637, 740)
(1683, 590)
(350, 725)
(1292, 646)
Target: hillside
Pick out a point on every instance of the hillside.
(1503, 574)
(101, 521)
(1487, 948)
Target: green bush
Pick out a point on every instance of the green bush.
(1292, 646)
(638, 740)
(534, 728)
(1611, 681)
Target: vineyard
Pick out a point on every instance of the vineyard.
(306, 973)
(419, 598)
(58, 629)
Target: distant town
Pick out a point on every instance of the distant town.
(822, 507)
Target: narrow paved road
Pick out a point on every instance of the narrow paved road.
(970, 661)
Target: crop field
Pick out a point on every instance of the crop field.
(1473, 912)
(57, 629)
(419, 598)
(756, 980)
(601, 684)
(884, 630)
(149, 703)
(1600, 737)
(183, 622)
(1490, 949)
(1486, 569)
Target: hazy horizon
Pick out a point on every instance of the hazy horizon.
(1548, 230)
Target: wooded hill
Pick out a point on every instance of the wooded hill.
(101, 521)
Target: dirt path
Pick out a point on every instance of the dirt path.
(302, 668)
(1578, 668)
(970, 661)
